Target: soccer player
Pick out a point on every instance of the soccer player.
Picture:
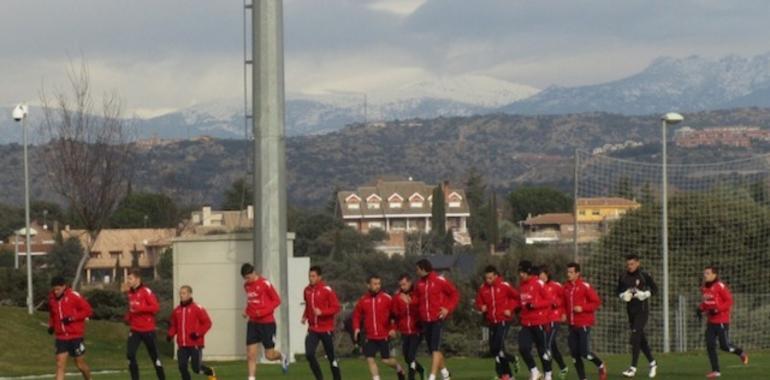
(261, 302)
(142, 307)
(68, 312)
(189, 323)
(321, 308)
(580, 304)
(436, 299)
(716, 304)
(406, 314)
(534, 318)
(555, 294)
(635, 287)
(373, 309)
(498, 300)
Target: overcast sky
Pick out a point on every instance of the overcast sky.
(162, 55)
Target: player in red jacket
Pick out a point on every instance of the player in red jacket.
(261, 302)
(436, 299)
(68, 312)
(142, 307)
(580, 304)
(374, 309)
(189, 323)
(555, 294)
(498, 300)
(535, 317)
(716, 304)
(321, 308)
(407, 316)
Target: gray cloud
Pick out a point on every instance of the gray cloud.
(168, 54)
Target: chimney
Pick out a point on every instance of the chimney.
(206, 215)
(250, 212)
(446, 188)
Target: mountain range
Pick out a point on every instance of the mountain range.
(687, 84)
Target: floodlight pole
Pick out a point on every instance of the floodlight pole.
(664, 239)
(270, 251)
(26, 217)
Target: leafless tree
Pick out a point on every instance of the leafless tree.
(88, 157)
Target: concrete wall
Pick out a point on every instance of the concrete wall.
(211, 265)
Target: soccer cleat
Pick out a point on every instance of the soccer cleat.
(745, 358)
(653, 369)
(213, 375)
(535, 374)
(603, 372)
(630, 372)
(563, 373)
(285, 364)
(713, 375)
(548, 376)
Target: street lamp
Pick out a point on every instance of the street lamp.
(669, 118)
(20, 114)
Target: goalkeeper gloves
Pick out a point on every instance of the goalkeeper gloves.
(643, 295)
(627, 296)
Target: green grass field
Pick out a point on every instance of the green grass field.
(26, 349)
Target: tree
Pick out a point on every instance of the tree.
(475, 193)
(624, 188)
(159, 209)
(64, 258)
(88, 158)
(438, 212)
(11, 219)
(238, 196)
(533, 201)
(166, 264)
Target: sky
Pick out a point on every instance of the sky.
(165, 55)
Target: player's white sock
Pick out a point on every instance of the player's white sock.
(548, 375)
(375, 378)
(252, 378)
(534, 373)
(398, 368)
(444, 373)
(432, 377)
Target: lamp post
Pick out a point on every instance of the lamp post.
(669, 118)
(20, 114)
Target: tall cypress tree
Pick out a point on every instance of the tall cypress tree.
(493, 228)
(438, 213)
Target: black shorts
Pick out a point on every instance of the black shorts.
(73, 347)
(372, 347)
(432, 333)
(261, 333)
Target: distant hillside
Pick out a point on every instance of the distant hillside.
(509, 150)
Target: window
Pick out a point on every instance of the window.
(454, 204)
(395, 204)
(94, 254)
(417, 204)
(582, 212)
(353, 225)
(373, 205)
(595, 213)
(115, 254)
(353, 206)
(375, 225)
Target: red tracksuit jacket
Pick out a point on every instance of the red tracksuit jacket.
(498, 298)
(406, 314)
(375, 310)
(555, 293)
(142, 307)
(717, 302)
(186, 319)
(532, 292)
(70, 305)
(580, 293)
(262, 300)
(321, 296)
(434, 292)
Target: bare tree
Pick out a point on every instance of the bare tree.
(88, 156)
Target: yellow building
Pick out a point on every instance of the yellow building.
(595, 210)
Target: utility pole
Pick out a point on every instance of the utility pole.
(268, 104)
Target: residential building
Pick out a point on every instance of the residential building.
(399, 207)
(594, 217)
(115, 251)
(42, 240)
(210, 222)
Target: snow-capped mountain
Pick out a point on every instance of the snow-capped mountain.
(329, 111)
(685, 84)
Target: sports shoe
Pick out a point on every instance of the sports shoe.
(713, 375)
(285, 364)
(603, 372)
(548, 376)
(653, 369)
(630, 372)
(213, 375)
(563, 373)
(745, 358)
(535, 374)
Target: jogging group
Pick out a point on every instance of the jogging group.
(417, 312)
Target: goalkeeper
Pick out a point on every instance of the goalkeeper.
(635, 287)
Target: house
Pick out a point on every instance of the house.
(115, 251)
(593, 217)
(208, 221)
(42, 240)
(399, 207)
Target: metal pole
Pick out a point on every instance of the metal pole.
(16, 250)
(270, 237)
(575, 208)
(664, 230)
(26, 218)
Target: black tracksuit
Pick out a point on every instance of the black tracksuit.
(638, 311)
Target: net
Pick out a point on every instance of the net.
(717, 214)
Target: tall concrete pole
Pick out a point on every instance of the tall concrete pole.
(664, 230)
(30, 301)
(270, 257)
